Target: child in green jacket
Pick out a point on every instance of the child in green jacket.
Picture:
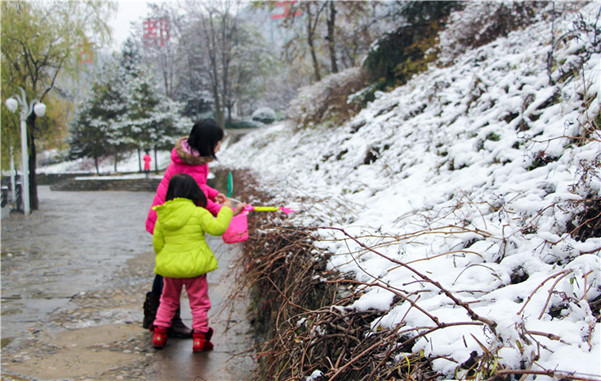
(183, 257)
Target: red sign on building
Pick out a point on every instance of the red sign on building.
(287, 7)
(86, 54)
(156, 31)
(86, 57)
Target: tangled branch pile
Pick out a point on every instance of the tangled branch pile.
(309, 327)
(297, 313)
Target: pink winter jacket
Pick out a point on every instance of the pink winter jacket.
(184, 161)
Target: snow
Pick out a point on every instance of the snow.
(127, 164)
(474, 185)
(314, 376)
(475, 181)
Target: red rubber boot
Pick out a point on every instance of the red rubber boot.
(202, 342)
(159, 337)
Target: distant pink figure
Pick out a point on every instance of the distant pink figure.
(147, 160)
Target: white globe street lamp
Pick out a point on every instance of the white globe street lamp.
(26, 109)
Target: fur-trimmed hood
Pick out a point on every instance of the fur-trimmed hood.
(184, 160)
(187, 155)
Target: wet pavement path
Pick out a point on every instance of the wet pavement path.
(74, 278)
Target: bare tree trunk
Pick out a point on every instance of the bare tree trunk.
(312, 21)
(156, 162)
(116, 158)
(313, 57)
(331, 36)
(229, 107)
(214, 69)
(228, 33)
(139, 159)
(311, 43)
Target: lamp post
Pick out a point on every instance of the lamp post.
(26, 109)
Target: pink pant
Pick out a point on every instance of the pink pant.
(198, 293)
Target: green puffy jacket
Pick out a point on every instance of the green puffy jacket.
(179, 238)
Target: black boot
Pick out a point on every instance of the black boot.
(151, 305)
(178, 328)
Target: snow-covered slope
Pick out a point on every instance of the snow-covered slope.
(467, 176)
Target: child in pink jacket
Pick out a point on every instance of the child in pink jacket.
(147, 160)
(191, 156)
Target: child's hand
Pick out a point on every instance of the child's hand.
(227, 203)
(220, 198)
(238, 209)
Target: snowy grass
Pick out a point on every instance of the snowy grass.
(127, 164)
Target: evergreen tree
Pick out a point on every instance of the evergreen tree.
(103, 117)
(130, 60)
(87, 139)
(150, 118)
(151, 115)
(126, 110)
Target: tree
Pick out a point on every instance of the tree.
(130, 63)
(331, 36)
(218, 28)
(87, 139)
(312, 12)
(40, 41)
(400, 54)
(192, 82)
(151, 116)
(163, 55)
(253, 73)
(99, 128)
(125, 110)
(324, 29)
(130, 59)
(356, 27)
(211, 48)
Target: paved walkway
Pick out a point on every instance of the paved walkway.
(74, 277)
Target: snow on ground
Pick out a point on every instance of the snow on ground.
(474, 185)
(127, 164)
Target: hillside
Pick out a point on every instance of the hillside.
(467, 202)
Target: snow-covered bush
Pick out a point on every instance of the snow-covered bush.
(264, 115)
(328, 99)
(483, 22)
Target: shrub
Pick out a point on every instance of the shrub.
(329, 100)
(482, 23)
(264, 115)
(238, 124)
(399, 55)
